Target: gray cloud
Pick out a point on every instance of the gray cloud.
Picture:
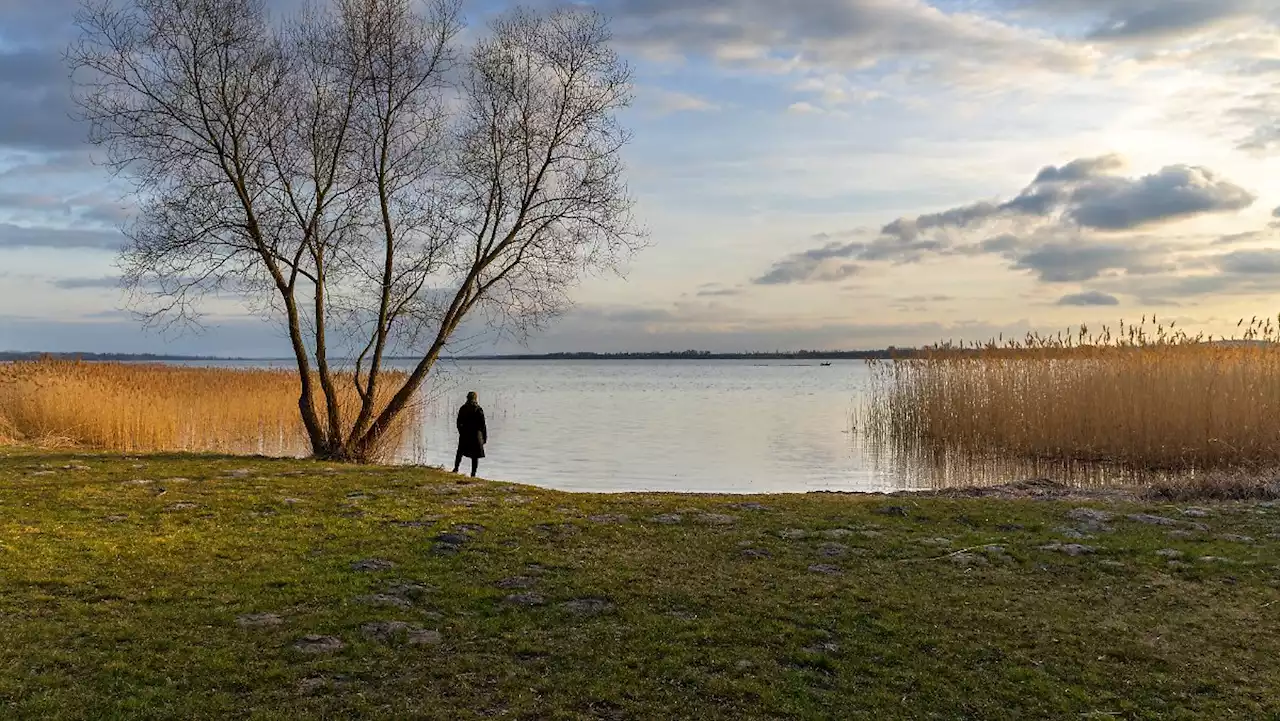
(1275, 213)
(1178, 191)
(17, 236)
(1049, 224)
(819, 265)
(1089, 298)
(841, 35)
(35, 94)
(1251, 262)
(80, 283)
(1074, 262)
(1151, 20)
(1164, 18)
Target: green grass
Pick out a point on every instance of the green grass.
(117, 604)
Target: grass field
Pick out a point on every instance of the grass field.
(186, 587)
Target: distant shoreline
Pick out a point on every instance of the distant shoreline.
(9, 356)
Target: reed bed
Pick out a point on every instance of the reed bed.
(153, 407)
(1147, 398)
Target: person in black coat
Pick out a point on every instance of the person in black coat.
(472, 433)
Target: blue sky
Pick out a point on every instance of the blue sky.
(833, 173)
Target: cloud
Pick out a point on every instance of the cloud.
(804, 108)
(1089, 298)
(1251, 262)
(1065, 227)
(1275, 213)
(668, 102)
(719, 292)
(36, 96)
(1074, 262)
(17, 236)
(823, 36)
(80, 283)
(819, 265)
(1164, 18)
(1179, 191)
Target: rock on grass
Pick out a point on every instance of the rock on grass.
(372, 564)
(667, 519)
(1070, 549)
(587, 606)
(315, 644)
(387, 631)
(525, 599)
(259, 620)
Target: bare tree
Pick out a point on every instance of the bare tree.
(361, 175)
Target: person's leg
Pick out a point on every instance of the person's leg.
(457, 460)
(475, 463)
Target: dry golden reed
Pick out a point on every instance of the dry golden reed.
(154, 407)
(1149, 397)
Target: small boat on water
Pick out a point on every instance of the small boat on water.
(824, 365)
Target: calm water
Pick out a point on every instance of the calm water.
(693, 426)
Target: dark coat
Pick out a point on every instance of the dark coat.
(472, 431)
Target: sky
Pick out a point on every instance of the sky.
(820, 174)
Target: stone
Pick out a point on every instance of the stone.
(870, 534)
(525, 599)
(1169, 553)
(136, 482)
(1070, 549)
(793, 534)
(410, 590)
(609, 518)
(833, 550)
(936, 542)
(743, 664)
(749, 506)
(372, 564)
(968, 559)
(239, 473)
(315, 644)
(826, 569)
(716, 519)
(1234, 538)
(822, 647)
(1180, 534)
(835, 534)
(1073, 533)
(1091, 515)
(181, 506)
(357, 495)
(455, 539)
(1151, 520)
(1215, 559)
(755, 553)
(898, 511)
(259, 620)
(470, 529)
(385, 599)
(667, 519)
(424, 637)
(445, 549)
(117, 518)
(587, 606)
(516, 582)
(1196, 512)
(1111, 564)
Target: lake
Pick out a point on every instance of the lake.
(690, 426)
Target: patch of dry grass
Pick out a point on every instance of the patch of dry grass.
(154, 407)
(1149, 398)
